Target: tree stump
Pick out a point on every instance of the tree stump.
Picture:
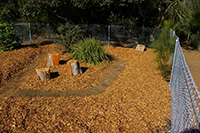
(73, 67)
(140, 47)
(53, 59)
(43, 73)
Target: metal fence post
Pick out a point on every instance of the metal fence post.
(29, 26)
(108, 35)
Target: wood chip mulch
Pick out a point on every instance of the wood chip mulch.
(137, 101)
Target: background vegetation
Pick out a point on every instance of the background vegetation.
(67, 36)
(63, 14)
(8, 38)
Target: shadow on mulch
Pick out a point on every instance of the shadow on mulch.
(166, 128)
(62, 62)
(34, 45)
(25, 46)
(192, 131)
(84, 69)
(54, 75)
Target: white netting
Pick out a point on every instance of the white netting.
(184, 95)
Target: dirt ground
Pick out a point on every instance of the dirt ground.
(126, 95)
(192, 58)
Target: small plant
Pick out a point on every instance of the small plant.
(90, 51)
(67, 36)
(164, 48)
(8, 37)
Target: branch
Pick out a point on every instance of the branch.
(162, 17)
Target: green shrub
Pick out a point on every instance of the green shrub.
(164, 48)
(90, 51)
(8, 37)
(67, 36)
(195, 41)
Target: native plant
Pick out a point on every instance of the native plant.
(90, 51)
(8, 37)
(67, 36)
(164, 48)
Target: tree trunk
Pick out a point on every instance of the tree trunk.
(53, 59)
(44, 73)
(73, 67)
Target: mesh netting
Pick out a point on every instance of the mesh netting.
(30, 33)
(116, 35)
(184, 95)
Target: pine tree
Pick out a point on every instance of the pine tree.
(164, 48)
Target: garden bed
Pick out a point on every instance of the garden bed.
(137, 100)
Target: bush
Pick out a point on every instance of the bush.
(164, 48)
(8, 37)
(195, 41)
(67, 36)
(90, 51)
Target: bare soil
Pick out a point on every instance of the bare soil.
(126, 95)
(192, 58)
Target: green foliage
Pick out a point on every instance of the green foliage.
(164, 48)
(11, 7)
(194, 25)
(8, 38)
(4, 16)
(195, 41)
(67, 36)
(90, 51)
(195, 16)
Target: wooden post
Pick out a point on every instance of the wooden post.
(53, 59)
(73, 67)
(44, 73)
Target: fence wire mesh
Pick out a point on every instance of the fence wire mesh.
(116, 35)
(184, 95)
(119, 35)
(30, 33)
(131, 36)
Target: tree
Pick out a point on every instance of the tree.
(194, 24)
(177, 10)
(13, 7)
(164, 48)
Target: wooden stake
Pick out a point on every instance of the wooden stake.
(43, 73)
(53, 59)
(73, 67)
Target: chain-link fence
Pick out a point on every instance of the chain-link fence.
(30, 33)
(116, 35)
(131, 36)
(184, 96)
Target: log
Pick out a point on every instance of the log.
(140, 47)
(73, 67)
(43, 73)
(53, 59)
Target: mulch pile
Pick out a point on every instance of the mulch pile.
(14, 61)
(60, 80)
(137, 101)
